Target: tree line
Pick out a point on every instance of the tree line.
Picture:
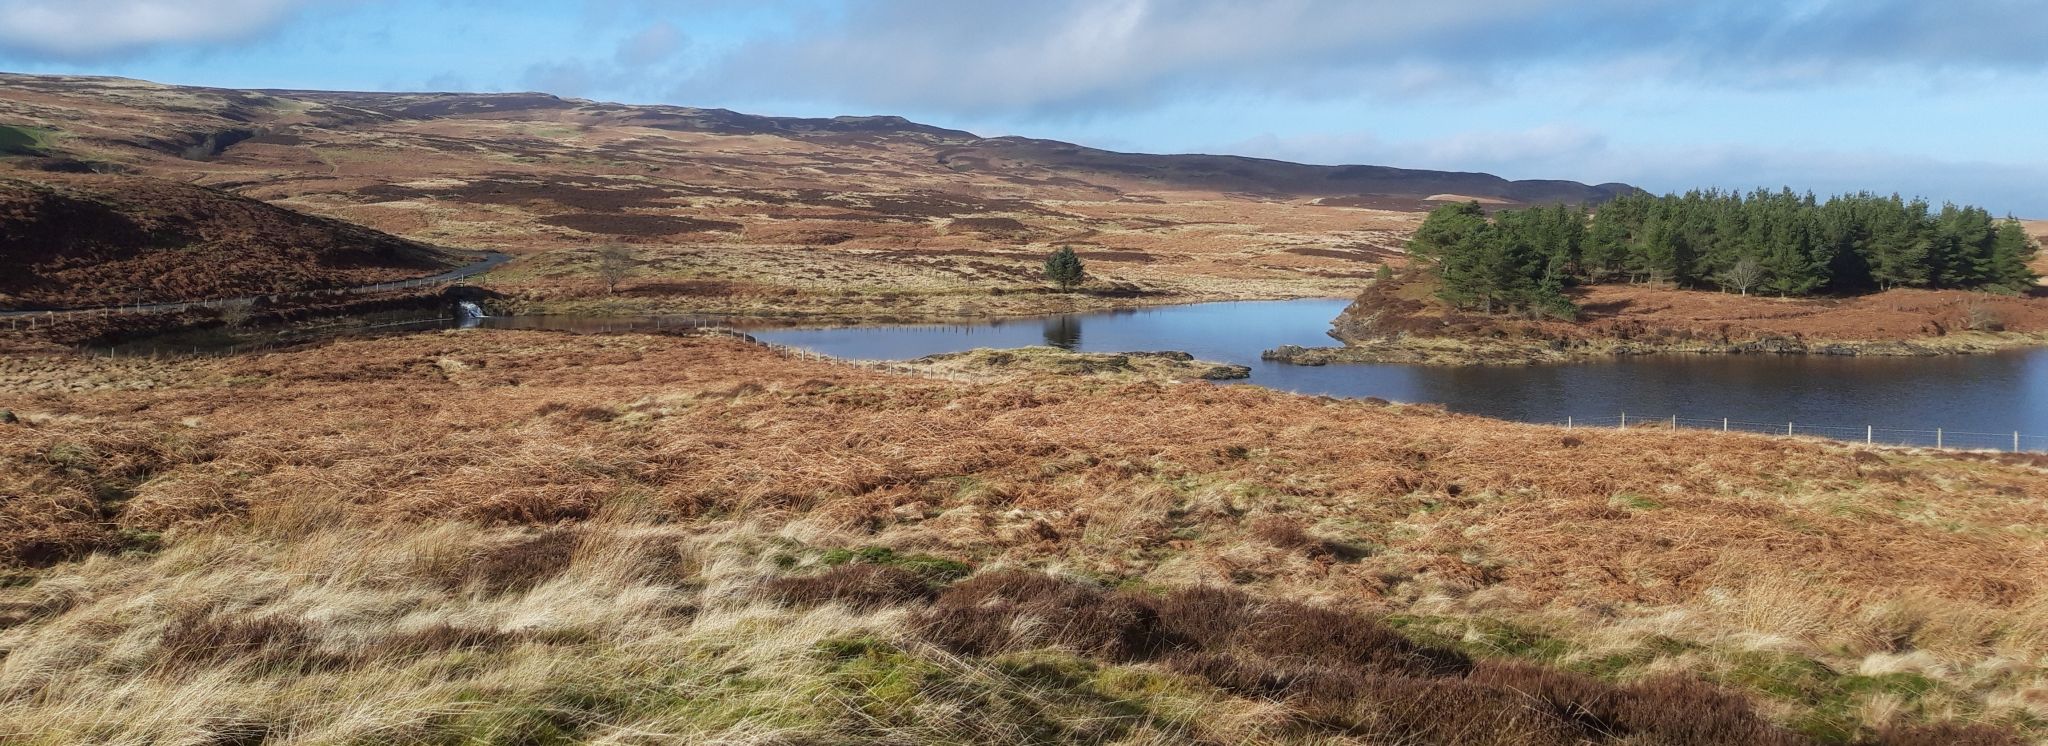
(1780, 243)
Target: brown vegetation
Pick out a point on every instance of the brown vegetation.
(1402, 319)
(408, 519)
(81, 241)
(806, 212)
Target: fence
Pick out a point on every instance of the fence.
(1935, 438)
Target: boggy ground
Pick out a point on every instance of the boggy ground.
(497, 537)
(1402, 321)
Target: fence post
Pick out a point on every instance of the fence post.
(1788, 428)
(1937, 437)
(2015, 441)
(1567, 422)
(1869, 434)
(1624, 422)
(1674, 422)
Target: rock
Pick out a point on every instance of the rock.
(1226, 373)
(1293, 355)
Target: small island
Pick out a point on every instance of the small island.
(1706, 272)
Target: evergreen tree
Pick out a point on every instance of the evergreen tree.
(1780, 242)
(1064, 268)
(2011, 253)
(1446, 227)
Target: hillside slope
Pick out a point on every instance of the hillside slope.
(735, 212)
(80, 241)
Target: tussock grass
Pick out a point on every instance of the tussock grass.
(628, 539)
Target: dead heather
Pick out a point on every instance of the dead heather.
(463, 536)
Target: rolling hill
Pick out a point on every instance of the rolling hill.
(81, 241)
(753, 213)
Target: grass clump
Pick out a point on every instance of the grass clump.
(932, 569)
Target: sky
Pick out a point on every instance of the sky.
(1944, 100)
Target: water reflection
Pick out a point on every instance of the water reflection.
(1985, 393)
(1063, 331)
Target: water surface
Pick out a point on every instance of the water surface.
(1989, 394)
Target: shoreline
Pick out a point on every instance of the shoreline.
(1452, 351)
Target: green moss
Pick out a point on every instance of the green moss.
(933, 569)
(1480, 637)
(1832, 698)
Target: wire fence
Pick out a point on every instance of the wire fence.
(1870, 434)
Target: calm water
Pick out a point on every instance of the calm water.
(1987, 393)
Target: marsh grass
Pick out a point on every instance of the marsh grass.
(637, 539)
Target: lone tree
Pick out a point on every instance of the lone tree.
(1064, 268)
(1744, 275)
(614, 265)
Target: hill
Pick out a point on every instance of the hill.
(82, 241)
(735, 212)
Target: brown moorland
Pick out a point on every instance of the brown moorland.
(852, 216)
(462, 536)
(84, 241)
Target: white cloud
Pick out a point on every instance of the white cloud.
(1096, 55)
(86, 29)
(656, 43)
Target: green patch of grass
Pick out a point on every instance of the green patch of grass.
(1621, 665)
(1634, 501)
(1480, 637)
(1831, 698)
(933, 569)
(17, 140)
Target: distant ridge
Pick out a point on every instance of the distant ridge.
(243, 115)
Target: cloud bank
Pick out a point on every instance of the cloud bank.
(71, 30)
(1094, 54)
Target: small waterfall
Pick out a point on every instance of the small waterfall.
(468, 315)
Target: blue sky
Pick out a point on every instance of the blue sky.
(1944, 100)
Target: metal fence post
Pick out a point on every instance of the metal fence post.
(1869, 434)
(1788, 428)
(1937, 437)
(1674, 422)
(1724, 424)
(1567, 422)
(1624, 422)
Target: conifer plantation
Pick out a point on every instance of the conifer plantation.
(1780, 243)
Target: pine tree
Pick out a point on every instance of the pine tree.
(1446, 227)
(1064, 268)
(2012, 251)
